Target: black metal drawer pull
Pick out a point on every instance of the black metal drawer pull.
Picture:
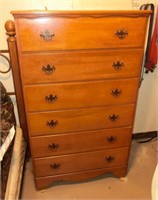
(121, 34)
(111, 139)
(110, 158)
(55, 165)
(48, 69)
(52, 123)
(51, 98)
(53, 146)
(47, 36)
(116, 92)
(113, 117)
(118, 65)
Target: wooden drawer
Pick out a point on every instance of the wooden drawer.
(44, 123)
(81, 94)
(60, 33)
(80, 142)
(46, 181)
(81, 161)
(83, 65)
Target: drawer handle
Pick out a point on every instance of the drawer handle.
(113, 117)
(121, 34)
(51, 98)
(47, 36)
(111, 139)
(53, 146)
(110, 158)
(118, 65)
(52, 123)
(48, 69)
(116, 92)
(55, 165)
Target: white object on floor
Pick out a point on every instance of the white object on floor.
(154, 185)
(16, 167)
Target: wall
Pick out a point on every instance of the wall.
(147, 108)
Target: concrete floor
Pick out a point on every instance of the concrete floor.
(137, 185)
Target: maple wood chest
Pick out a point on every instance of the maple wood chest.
(80, 73)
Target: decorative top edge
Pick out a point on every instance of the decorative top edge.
(79, 13)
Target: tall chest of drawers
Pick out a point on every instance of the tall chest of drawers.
(80, 74)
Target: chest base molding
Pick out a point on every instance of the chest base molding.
(45, 182)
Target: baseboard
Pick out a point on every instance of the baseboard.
(150, 134)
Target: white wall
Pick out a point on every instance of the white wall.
(147, 108)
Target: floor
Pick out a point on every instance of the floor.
(137, 185)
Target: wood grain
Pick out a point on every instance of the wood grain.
(80, 74)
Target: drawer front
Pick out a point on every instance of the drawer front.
(81, 161)
(80, 142)
(79, 33)
(45, 123)
(83, 65)
(81, 94)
